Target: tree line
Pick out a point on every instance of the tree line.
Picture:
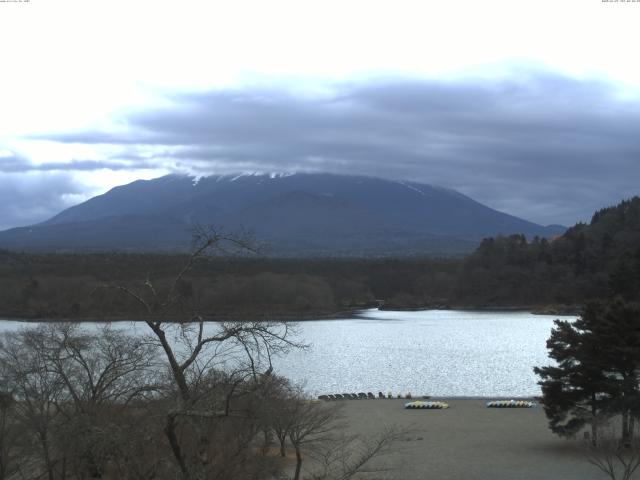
(68, 286)
(594, 260)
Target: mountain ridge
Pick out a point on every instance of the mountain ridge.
(298, 214)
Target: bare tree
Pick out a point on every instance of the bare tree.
(103, 372)
(37, 391)
(107, 367)
(348, 455)
(616, 457)
(72, 388)
(194, 348)
(10, 436)
(317, 430)
(311, 423)
(278, 411)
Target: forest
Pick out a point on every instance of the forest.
(589, 261)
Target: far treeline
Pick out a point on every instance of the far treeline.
(590, 261)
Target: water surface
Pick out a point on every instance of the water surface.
(433, 352)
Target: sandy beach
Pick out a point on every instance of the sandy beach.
(471, 442)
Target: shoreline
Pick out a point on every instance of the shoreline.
(308, 317)
(292, 317)
(534, 398)
(545, 309)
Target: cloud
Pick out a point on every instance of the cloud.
(28, 198)
(536, 144)
(33, 192)
(13, 163)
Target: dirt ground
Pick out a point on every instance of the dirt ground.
(471, 442)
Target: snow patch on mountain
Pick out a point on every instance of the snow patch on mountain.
(270, 175)
(411, 187)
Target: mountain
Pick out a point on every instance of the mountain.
(297, 214)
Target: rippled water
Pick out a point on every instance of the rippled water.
(434, 352)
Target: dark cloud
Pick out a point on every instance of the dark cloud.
(30, 198)
(17, 164)
(535, 144)
(32, 193)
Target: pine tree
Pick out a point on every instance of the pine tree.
(617, 328)
(575, 390)
(597, 371)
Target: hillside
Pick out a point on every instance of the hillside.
(589, 261)
(300, 214)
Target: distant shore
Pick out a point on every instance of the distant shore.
(344, 314)
(534, 309)
(288, 317)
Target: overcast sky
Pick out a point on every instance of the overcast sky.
(532, 108)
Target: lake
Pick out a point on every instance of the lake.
(432, 352)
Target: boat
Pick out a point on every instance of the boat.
(419, 404)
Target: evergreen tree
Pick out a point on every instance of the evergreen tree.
(624, 280)
(575, 390)
(597, 371)
(617, 328)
